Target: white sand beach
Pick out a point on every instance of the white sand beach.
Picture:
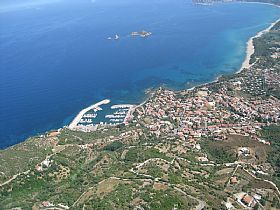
(250, 46)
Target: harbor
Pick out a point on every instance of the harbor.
(102, 114)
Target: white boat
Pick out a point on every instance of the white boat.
(97, 109)
(120, 112)
(121, 106)
(116, 37)
(90, 116)
(110, 116)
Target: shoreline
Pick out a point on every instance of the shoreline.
(250, 44)
(257, 2)
(250, 49)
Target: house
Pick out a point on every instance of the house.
(229, 205)
(39, 168)
(46, 162)
(54, 133)
(248, 200)
(244, 151)
(202, 159)
(257, 197)
(46, 204)
(197, 146)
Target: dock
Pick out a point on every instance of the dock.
(121, 106)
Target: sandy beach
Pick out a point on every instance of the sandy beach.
(251, 49)
(250, 45)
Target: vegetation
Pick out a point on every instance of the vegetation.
(128, 167)
(217, 152)
(113, 146)
(140, 154)
(272, 134)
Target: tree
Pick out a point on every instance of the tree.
(256, 207)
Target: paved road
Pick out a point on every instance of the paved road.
(14, 177)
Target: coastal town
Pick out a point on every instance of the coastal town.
(214, 146)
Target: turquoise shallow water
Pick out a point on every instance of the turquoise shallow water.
(56, 59)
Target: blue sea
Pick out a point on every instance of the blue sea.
(55, 58)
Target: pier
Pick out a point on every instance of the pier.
(74, 124)
(121, 106)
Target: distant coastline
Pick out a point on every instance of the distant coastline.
(250, 45)
(250, 49)
(257, 2)
(209, 2)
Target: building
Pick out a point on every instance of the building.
(248, 200)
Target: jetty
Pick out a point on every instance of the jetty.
(121, 106)
(74, 124)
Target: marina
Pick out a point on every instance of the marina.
(93, 116)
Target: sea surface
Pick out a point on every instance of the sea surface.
(55, 58)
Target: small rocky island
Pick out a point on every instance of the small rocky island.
(141, 34)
